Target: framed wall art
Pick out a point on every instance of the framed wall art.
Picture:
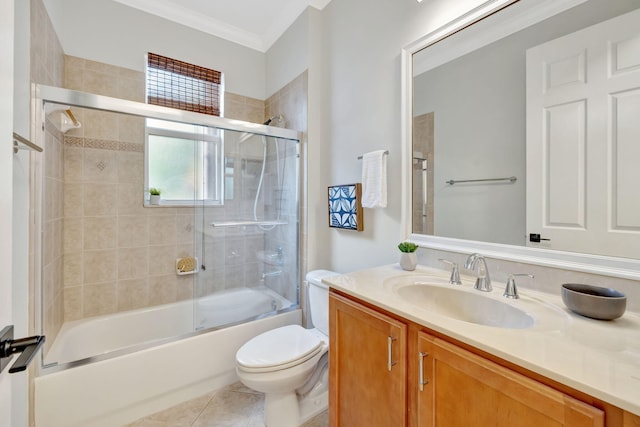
(345, 207)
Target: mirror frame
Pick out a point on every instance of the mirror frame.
(627, 268)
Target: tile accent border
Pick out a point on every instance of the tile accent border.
(102, 144)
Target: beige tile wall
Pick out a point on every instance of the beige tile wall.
(291, 101)
(119, 255)
(243, 108)
(111, 261)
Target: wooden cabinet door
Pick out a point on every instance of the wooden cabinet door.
(630, 420)
(466, 390)
(367, 367)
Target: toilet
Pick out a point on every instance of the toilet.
(290, 364)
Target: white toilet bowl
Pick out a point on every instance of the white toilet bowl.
(278, 363)
(289, 364)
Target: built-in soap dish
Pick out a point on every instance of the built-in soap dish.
(271, 257)
(186, 265)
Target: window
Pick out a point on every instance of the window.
(185, 162)
(177, 84)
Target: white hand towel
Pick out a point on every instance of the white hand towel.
(374, 179)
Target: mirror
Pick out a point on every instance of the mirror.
(486, 153)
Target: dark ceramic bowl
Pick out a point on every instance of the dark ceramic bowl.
(593, 301)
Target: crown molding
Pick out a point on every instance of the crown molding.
(218, 28)
(319, 4)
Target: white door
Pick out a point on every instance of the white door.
(6, 190)
(583, 140)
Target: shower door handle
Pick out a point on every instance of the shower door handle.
(26, 346)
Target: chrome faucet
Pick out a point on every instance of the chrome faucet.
(483, 281)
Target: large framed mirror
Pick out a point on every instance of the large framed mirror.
(521, 134)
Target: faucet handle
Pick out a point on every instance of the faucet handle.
(511, 291)
(455, 272)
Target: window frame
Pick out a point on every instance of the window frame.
(213, 169)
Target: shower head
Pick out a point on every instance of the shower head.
(278, 118)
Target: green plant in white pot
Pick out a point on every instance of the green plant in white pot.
(408, 256)
(154, 196)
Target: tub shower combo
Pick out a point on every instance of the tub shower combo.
(146, 304)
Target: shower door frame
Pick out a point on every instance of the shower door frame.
(41, 94)
(74, 98)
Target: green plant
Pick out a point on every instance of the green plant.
(154, 191)
(407, 247)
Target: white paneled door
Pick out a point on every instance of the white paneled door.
(583, 140)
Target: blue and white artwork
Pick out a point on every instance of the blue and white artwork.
(345, 209)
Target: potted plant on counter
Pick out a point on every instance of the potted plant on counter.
(408, 257)
(154, 196)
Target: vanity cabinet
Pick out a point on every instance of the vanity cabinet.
(367, 366)
(459, 388)
(389, 372)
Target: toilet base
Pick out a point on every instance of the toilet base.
(311, 406)
(291, 410)
(281, 410)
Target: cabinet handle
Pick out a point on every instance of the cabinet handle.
(421, 381)
(390, 362)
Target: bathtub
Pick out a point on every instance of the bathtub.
(114, 384)
(102, 335)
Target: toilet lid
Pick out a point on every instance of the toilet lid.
(279, 348)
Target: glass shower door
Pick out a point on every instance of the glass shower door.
(249, 245)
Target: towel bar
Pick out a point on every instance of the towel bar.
(385, 152)
(510, 179)
(20, 143)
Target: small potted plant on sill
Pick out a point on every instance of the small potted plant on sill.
(408, 257)
(154, 196)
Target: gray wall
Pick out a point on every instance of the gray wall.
(357, 84)
(288, 57)
(109, 32)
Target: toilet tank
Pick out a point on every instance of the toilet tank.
(319, 299)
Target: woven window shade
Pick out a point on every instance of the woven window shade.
(177, 84)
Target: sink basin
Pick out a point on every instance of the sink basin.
(463, 304)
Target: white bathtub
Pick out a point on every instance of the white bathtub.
(100, 335)
(118, 390)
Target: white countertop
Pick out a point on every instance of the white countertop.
(600, 358)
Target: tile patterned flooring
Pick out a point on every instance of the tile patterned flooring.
(232, 406)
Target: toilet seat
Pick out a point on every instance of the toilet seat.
(279, 349)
